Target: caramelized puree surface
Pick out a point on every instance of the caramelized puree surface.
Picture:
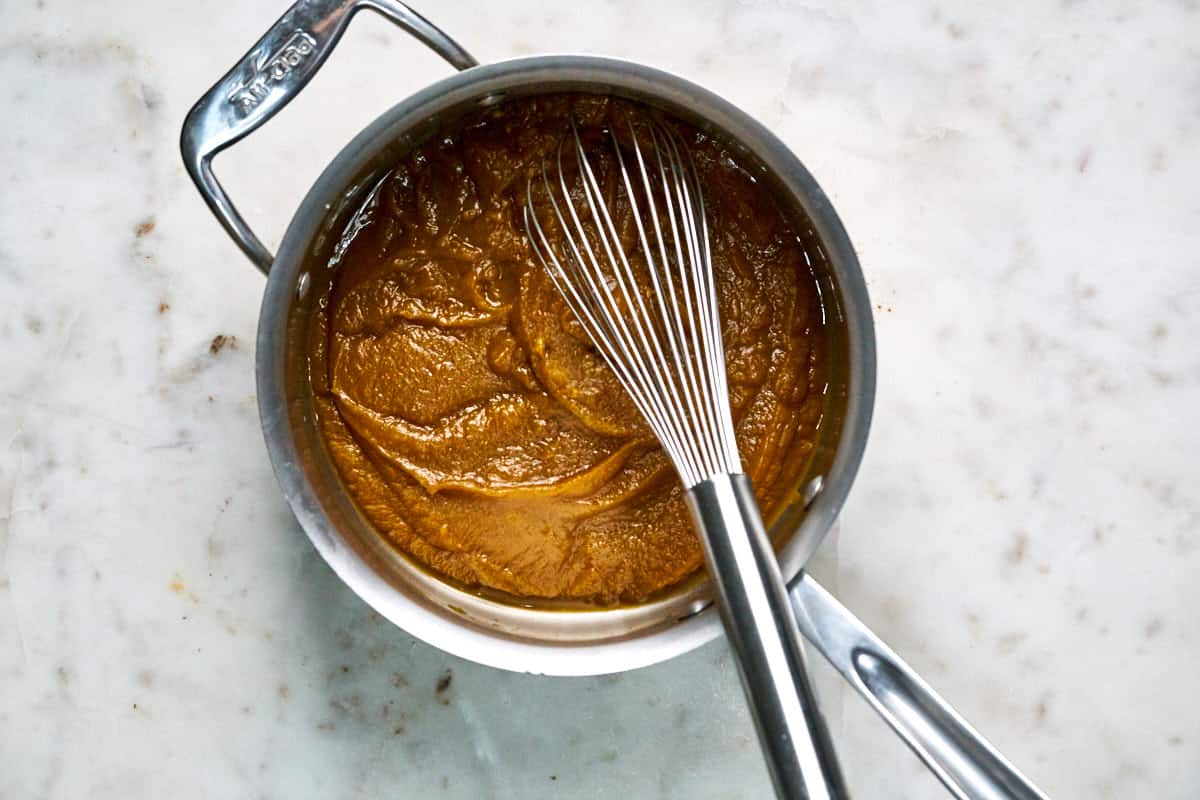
(467, 413)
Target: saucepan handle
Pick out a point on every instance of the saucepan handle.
(969, 766)
(267, 78)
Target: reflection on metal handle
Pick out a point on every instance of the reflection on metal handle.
(969, 766)
(267, 78)
(758, 621)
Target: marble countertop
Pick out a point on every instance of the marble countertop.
(1021, 184)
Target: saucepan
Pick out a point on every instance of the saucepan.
(511, 635)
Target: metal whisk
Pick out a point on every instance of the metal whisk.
(649, 304)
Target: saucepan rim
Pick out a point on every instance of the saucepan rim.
(442, 628)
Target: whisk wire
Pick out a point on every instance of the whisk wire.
(672, 323)
(679, 212)
(582, 304)
(706, 289)
(695, 312)
(617, 326)
(667, 353)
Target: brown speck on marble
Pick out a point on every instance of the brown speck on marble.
(1163, 492)
(1158, 332)
(1081, 163)
(553, 777)
(348, 707)
(283, 691)
(983, 405)
(145, 678)
(893, 608)
(955, 31)
(220, 342)
(396, 731)
(1131, 772)
(398, 681)
(1009, 642)
(1158, 160)
(1153, 627)
(145, 227)
(1039, 711)
(1035, 343)
(345, 668)
(443, 686)
(1016, 553)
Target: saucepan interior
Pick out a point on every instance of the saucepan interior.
(510, 634)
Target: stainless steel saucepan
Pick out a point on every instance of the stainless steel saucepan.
(482, 629)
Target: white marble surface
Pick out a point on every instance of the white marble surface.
(1021, 183)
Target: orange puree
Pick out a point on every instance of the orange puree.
(470, 418)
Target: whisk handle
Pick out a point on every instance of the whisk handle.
(759, 622)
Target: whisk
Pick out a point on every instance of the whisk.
(650, 308)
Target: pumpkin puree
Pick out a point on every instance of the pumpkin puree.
(469, 416)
